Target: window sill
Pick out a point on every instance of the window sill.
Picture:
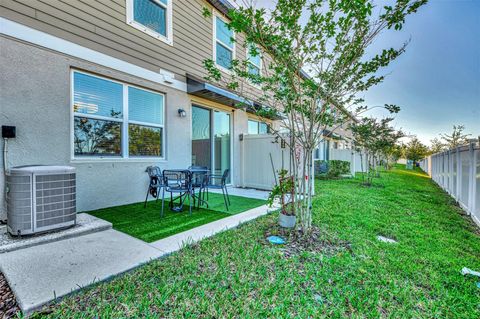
(98, 160)
(151, 33)
(223, 69)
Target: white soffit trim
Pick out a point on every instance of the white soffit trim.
(22, 32)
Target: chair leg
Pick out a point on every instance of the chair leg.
(190, 203)
(199, 197)
(225, 199)
(146, 198)
(158, 194)
(163, 201)
(228, 196)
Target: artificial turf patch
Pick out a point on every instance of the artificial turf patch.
(147, 225)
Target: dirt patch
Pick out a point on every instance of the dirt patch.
(8, 303)
(319, 240)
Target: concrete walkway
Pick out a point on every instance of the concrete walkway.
(177, 241)
(39, 274)
(244, 192)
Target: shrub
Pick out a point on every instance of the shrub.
(337, 168)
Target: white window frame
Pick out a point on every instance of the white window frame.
(169, 27)
(124, 137)
(214, 23)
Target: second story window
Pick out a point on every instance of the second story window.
(153, 17)
(224, 47)
(254, 59)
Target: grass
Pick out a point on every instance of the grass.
(237, 274)
(146, 224)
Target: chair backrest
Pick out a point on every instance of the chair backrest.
(177, 179)
(225, 175)
(155, 175)
(199, 178)
(153, 171)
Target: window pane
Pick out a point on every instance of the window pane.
(151, 15)
(145, 106)
(253, 69)
(254, 59)
(201, 142)
(224, 56)
(222, 142)
(96, 137)
(97, 96)
(262, 128)
(223, 33)
(144, 140)
(252, 127)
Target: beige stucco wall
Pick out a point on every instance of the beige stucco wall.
(35, 97)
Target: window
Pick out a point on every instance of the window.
(255, 127)
(224, 47)
(153, 17)
(115, 119)
(254, 59)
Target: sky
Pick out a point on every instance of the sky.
(436, 82)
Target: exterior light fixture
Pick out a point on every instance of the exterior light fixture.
(182, 113)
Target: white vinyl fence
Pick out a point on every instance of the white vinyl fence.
(258, 153)
(457, 171)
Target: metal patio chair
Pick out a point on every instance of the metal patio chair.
(177, 182)
(155, 183)
(199, 181)
(221, 185)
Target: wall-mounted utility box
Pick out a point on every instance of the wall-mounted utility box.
(8, 131)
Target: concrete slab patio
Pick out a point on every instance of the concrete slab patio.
(42, 273)
(86, 224)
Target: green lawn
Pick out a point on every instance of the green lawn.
(146, 224)
(237, 274)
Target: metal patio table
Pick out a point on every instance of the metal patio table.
(201, 201)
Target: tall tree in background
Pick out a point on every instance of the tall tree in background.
(436, 146)
(415, 150)
(315, 66)
(457, 138)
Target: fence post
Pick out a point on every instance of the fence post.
(458, 191)
(352, 164)
(474, 187)
(450, 172)
(471, 178)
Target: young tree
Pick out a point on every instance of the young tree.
(436, 146)
(457, 138)
(376, 139)
(415, 150)
(311, 68)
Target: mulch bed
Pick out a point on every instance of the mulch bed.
(319, 241)
(8, 303)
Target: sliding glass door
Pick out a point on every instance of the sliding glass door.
(211, 139)
(201, 137)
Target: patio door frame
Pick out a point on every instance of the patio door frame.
(212, 111)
